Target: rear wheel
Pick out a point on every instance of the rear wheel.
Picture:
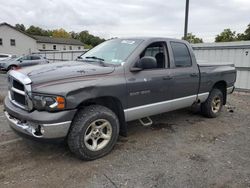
(212, 106)
(94, 132)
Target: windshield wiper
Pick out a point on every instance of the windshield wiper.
(94, 57)
(100, 60)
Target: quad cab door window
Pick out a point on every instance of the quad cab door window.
(185, 75)
(155, 51)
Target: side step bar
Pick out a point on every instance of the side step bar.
(146, 121)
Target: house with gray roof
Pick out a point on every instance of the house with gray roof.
(17, 42)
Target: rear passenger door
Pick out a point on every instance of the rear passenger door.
(185, 73)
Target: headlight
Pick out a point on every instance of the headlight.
(48, 103)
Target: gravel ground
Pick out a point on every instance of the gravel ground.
(181, 149)
(3, 85)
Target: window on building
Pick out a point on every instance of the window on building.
(44, 46)
(182, 57)
(64, 47)
(1, 41)
(54, 47)
(12, 42)
(70, 47)
(79, 47)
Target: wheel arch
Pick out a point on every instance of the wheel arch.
(12, 65)
(222, 85)
(113, 104)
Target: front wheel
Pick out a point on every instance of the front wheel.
(212, 106)
(94, 132)
(12, 67)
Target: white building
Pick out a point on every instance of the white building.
(16, 42)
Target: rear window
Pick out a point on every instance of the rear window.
(181, 54)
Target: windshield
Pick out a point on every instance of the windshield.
(113, 51)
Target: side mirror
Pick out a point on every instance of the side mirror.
(147, 62)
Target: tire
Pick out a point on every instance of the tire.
(93, 133)
(11, 67)
(211, 108)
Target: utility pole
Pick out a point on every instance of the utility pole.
(186, 19)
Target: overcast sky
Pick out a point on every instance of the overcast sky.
(124, 18)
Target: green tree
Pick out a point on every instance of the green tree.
(245, 35)
(33, 30)
(74, 35)
(89, 39)
(60, 33)
(247, 32)
(226, 36)
(20, 27)
(192, 39)
(84, 36)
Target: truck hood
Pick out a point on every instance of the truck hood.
(61, 71)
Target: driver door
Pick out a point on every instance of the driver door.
(150, 86)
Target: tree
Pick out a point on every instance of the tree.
(20, 27)
(192, 39)
(226, 36)
(247, 32)
(245, 35)
(84, 36)
(74, 35)
(60, 33)
(89, 39)
(32, 30)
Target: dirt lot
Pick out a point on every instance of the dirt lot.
(180, 150)
(3, 85)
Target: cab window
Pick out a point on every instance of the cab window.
(181, 54)
(156, 50)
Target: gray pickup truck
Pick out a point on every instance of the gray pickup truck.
(87, 102)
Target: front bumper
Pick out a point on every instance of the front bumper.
(42, 125)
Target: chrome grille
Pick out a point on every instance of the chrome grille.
(20, 90)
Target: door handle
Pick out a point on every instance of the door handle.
(194, 75)
(167, 78)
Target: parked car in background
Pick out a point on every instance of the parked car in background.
(6, 56)
(23, 61)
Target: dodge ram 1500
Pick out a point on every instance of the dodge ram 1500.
(87, 102)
